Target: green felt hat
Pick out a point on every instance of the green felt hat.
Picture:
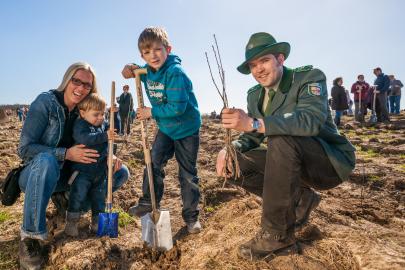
(260, 44)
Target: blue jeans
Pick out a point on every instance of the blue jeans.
(39, 179)
(395, 104)
(185, 150)
(338, 115)
(86, 189)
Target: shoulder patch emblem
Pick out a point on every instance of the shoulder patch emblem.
(303, 68)
(314, 89)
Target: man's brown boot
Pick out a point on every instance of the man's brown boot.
(267, 246)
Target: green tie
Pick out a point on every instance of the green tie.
(271, 96)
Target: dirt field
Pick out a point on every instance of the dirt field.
(358, 225)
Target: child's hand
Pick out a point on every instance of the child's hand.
(127, 71)
(143, 113)
(111, 134)
(117, 163)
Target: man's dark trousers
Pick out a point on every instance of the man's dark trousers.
(281, 174)
(381, 107)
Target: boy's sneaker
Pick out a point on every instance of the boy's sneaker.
(30, 254)
(193, 227)
(140, 209)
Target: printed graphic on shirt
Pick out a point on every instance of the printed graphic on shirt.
(155, 90)
(155, 85)
(314, 89)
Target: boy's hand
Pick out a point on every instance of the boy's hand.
(127, 71)
(111, 134)
(143, 113)
(117, 163)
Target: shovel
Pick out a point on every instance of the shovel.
(156, 227)
(108, 222)
(373, 118)
(360, 113)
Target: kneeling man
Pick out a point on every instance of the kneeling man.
(288, 111)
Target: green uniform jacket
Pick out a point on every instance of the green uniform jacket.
(300, 108)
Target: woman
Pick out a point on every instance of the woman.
(339, 99)
(47, 148)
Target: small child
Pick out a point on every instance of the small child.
(91, 130)
(175, 109)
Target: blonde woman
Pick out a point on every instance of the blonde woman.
(47, 149)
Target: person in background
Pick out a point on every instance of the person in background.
(360, 90)
(395, 94)
(349, 103)
(339, 99)
(382, 83)
(126, 106)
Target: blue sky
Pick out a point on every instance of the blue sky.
(40, 39)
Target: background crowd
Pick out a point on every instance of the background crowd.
(383, 97)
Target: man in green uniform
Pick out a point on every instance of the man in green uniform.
(289, 109)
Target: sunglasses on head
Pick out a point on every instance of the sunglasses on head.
(78, 82)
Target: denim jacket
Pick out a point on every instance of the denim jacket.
(43, 128)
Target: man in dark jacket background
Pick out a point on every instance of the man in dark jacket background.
(395, 94)
(126, 105)
(382, 84)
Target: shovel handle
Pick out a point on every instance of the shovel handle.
(110, 150)
(146, 149)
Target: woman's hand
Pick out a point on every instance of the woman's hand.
(79, 153)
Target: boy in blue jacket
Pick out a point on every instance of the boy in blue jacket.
(91, 130)
(175, 109)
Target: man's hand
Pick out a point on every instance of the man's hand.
(127, 71)
(79, 153)
(376, 91)
(236, 119)
(143, 113)
(221, 164)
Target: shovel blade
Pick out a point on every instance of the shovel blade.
(157, 235)
(108, 225)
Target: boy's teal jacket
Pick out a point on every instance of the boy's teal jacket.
(174, 106)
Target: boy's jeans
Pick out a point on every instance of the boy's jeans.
(88, 188)
(394, 104)
(39, 179)
(338, 115)
(185, 150)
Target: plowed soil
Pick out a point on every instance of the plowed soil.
(358, 225)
